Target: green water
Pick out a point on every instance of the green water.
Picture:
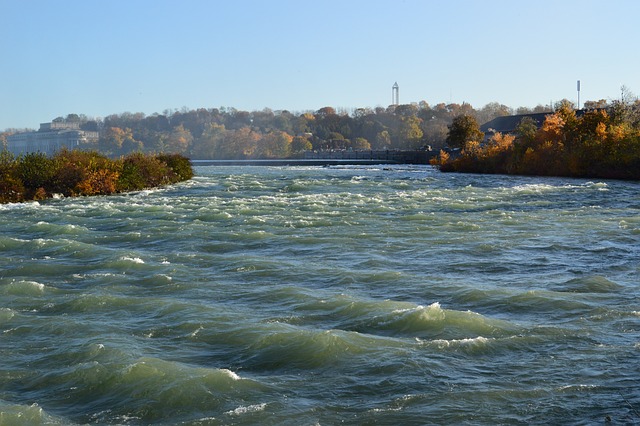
(318, 296)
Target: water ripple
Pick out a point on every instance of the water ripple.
(304, 295)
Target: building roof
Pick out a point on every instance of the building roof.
(509, 123)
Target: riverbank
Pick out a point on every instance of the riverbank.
(35, 176)
(595, 145)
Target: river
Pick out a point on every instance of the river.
(322, 295)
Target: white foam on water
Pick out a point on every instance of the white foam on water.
(230, 373)
(132, 259)
(543, 187)
(17, 206)
(195, 332)
(580, 388)
(32, 288)
(125, 419)
(204, 420)
(36, 285)
(433, 312)
(443, 343)
(384, 410)
(435, 306)
(6, 314)
(95, 275)
(602, 186)
(247, 409)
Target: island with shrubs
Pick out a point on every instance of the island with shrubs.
(68, 173)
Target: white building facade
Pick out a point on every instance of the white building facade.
(51, 138)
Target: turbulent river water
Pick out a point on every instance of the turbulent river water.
(322, 295)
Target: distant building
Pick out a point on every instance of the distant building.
(509, 123)
(50, 138)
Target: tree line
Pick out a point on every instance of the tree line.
(603, 141)
(228, 133)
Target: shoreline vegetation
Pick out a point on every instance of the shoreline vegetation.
(601, 143)
(35, 176)
(229, 134)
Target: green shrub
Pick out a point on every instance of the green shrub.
(36, 171)
(7, 163)
(140, 172)
(180, 165)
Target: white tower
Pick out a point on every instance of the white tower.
(395, 94)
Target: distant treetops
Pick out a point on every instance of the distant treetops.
(602, 143)
(35, 176)
(228, 133)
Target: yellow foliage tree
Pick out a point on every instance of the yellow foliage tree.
(441, 160)
(276, 144)
(552, 129)
(499, 143)
(179, 140)
(98, 182)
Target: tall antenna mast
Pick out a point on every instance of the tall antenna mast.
(578, 94)
(395, 94)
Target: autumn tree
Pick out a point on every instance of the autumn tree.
(275, 144)
(325, 111)
(115, 141)
(383, 140)
(435, 133)
(179, 140)
(463, 129)
(602, 103)
(526, 130)
(409, 132)
(552, 129)
(407, 110)
(237, 144)
(334, 140)
(263, 120)
(360, 144)
(526, 134)
(299, 144)
(209, 143)
(491, 111)
(132, 145)
(3, 140)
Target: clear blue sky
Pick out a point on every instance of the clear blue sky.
(103, 57)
